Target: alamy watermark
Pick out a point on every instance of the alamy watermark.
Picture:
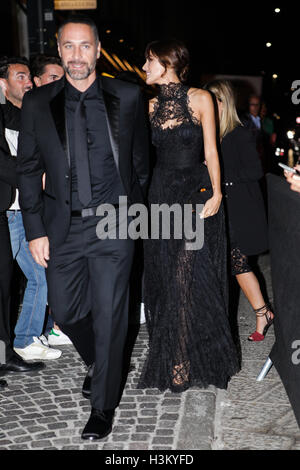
(159, 221)
(2, 352)
(296, 354)
(296, 92)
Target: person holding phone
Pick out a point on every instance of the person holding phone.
(292, 176)
(246, 218)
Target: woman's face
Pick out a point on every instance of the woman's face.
(154, 70)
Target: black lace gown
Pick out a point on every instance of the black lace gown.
(185, 291)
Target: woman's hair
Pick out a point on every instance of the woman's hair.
(223, 92)
(171, 53)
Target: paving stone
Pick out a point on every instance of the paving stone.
(165, 432)
(120, 437)
(169, 416)
(57, 425)
(5, 442)
(42, 444)
(161, 440)
(18, 447)
(140, 437)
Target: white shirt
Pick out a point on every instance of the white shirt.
(11, 137)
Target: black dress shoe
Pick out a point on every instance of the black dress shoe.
(99, 424)
(15, 363)
(3, 384)
(86, 387)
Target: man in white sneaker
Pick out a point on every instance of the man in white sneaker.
(15, 81)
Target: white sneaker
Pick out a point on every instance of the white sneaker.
(38, 350)
(57, 337)
(44, 340)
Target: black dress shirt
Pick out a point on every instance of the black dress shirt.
(106, 184)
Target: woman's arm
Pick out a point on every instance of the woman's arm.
(203, 107)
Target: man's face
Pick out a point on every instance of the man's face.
(254, 106)
(51, 73)
(17, 83)
(78, 50)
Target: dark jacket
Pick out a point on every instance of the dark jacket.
(9, 117)
(244, 202)
(43, 148)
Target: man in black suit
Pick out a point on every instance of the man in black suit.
(14, 70)
(89, 135)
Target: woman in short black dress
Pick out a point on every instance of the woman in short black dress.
(244, 203)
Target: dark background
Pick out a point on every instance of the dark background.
(226, 38)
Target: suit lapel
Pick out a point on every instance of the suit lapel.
(57, 106)
(112, 105)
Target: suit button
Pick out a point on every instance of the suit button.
(67, 202)
(67, 177)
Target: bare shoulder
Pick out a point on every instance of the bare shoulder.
(200, 98)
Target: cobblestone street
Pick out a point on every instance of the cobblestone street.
(47, 410)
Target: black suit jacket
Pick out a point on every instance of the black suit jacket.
(244, 201)
(8, 167)
(43, 148)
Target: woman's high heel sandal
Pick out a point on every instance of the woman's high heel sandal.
(263, 311)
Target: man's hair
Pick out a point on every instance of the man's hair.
(79, 19)
(5, 62)
(40, 61)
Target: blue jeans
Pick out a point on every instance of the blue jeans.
(31, 320)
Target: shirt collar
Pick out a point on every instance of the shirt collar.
(91, 93)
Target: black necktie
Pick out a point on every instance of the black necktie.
(81, 155)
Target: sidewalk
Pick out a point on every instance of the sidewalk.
(47, 410)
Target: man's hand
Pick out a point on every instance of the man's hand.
(39, 249)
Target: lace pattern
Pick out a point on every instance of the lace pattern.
(239, 262)
(172, 107)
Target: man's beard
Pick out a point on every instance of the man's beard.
(79, 74)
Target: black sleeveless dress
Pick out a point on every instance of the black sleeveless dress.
(185, 291)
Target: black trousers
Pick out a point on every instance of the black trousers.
(88, 281)
(6, 270)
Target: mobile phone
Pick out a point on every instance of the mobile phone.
(288, 168)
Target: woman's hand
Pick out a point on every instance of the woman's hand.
(211, 206)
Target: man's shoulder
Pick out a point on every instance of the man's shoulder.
(45, 92)
(114, 85)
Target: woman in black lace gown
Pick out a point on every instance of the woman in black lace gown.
(185, 291)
